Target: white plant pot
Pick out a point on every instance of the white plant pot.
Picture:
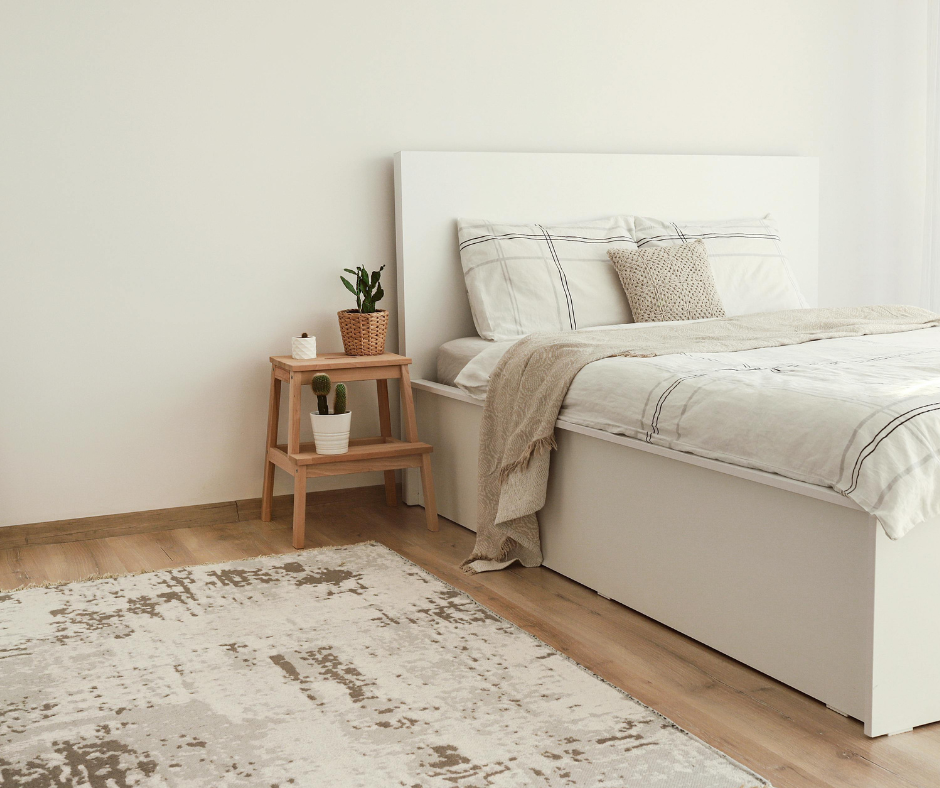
(331, 432)
(303, 347)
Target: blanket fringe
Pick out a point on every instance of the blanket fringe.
(538, 446)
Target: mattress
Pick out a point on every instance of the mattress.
(860, 415)
(453, 356)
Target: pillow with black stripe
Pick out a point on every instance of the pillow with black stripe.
(751, 271)
(523, 278)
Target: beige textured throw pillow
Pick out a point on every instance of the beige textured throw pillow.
(668, 282)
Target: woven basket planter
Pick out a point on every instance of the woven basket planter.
(363, 334)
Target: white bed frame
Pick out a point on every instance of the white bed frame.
(787, 577)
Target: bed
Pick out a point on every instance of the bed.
(786, 576)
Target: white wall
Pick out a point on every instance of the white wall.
(180, 183)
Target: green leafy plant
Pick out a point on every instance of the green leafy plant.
(321, 385)
(368, 289)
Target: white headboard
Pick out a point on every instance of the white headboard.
(433, 189)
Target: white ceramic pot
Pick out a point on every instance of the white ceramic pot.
(331, 432)
(303, 347)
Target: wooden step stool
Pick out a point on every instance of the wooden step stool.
(381, 453)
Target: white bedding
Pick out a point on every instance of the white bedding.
(859, 415)
(453, 356)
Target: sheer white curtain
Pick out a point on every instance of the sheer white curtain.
(930, 282)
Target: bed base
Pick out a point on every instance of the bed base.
(786, 577)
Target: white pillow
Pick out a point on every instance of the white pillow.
(751, 271)
(526, 278)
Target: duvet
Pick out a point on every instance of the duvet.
(860, 415)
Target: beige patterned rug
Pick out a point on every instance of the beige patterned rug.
(338, 667)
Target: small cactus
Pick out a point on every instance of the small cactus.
(321, 385)
(339, 399)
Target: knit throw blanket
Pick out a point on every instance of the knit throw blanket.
(530, 382)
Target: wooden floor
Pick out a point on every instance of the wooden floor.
(783, 735)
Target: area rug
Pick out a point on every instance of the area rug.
(339, 667)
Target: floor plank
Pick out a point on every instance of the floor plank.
(782, 734)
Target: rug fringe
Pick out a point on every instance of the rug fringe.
(116, 575)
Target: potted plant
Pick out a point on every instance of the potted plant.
(330, 430)
(364, 327)
(303, 346)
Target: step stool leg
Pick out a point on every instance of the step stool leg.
(427, 486)
(293, 407)
(300, 506)
(408, 406)
(385, 425)
(411, 435)
(274, 410)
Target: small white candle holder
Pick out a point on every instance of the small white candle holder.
(303, 347)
